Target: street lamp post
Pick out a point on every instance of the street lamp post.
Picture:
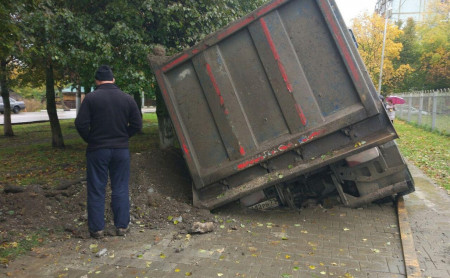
(386, 16)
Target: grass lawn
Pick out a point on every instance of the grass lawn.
(427, 150)
(28, 158)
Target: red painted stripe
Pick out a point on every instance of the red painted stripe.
(300, 113)
(270, 7)
(284, 147)
(233, 28)
(340, 39)
(175, 62)
(242, 151)
(185, 148)
(275, 54)
(216, 87)
(248, 163)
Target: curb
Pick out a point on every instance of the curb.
(409, 251)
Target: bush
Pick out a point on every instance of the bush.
(33, 105)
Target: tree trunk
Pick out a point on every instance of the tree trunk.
(57, 138)
(166, 131)
(138, 99)
(7, 126)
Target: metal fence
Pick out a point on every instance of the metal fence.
(426, 108)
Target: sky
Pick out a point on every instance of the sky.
(352, 8)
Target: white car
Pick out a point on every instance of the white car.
(16, 105)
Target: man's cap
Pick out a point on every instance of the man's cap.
(104, 73)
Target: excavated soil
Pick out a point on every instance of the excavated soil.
(160, 192)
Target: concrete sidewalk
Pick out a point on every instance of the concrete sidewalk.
(429, 216)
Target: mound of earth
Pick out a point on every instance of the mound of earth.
(160, 192)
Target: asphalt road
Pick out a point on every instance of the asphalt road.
(42, 116)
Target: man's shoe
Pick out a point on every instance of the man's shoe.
(97, 234)
(121, 231)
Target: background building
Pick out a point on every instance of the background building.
(402, 9)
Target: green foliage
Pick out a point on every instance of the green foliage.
(410, 55)
(427, 150)
(30, 92)
(435, 34)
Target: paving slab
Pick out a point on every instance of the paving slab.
(429, 217)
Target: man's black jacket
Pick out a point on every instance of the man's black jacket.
(107, 118)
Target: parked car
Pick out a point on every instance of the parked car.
(16, 105)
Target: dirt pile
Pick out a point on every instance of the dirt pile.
(160, 192)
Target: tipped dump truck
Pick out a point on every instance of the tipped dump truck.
(278, 108)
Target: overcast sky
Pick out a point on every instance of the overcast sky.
(352, 8)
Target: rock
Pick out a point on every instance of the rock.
(202, 228)
(179, 219)
(13, 189)
(101, 253)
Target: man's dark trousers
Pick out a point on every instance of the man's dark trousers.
(99, 163)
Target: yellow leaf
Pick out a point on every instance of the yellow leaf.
(312, 267)
(287, 257)
(177, 270)
(188, 274)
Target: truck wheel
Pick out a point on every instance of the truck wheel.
(16, 109)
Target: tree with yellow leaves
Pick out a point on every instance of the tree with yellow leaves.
(434, 33)
(368, 31)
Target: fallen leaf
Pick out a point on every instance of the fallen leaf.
(297, 225)
(296, 268)
(252, 249)
(162, 256)
(222, 226)
(286, 275)
(323, 272)
(312, 267)
(170, 218)
(220, 274)
(188, 274)
(303, 231)
(375, 250)
(346, 229)
(177, 270)
(147, 264)
(287, 257)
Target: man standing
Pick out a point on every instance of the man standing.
(106, 119)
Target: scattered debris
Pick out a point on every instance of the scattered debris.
(101, 253)
(202, 228)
